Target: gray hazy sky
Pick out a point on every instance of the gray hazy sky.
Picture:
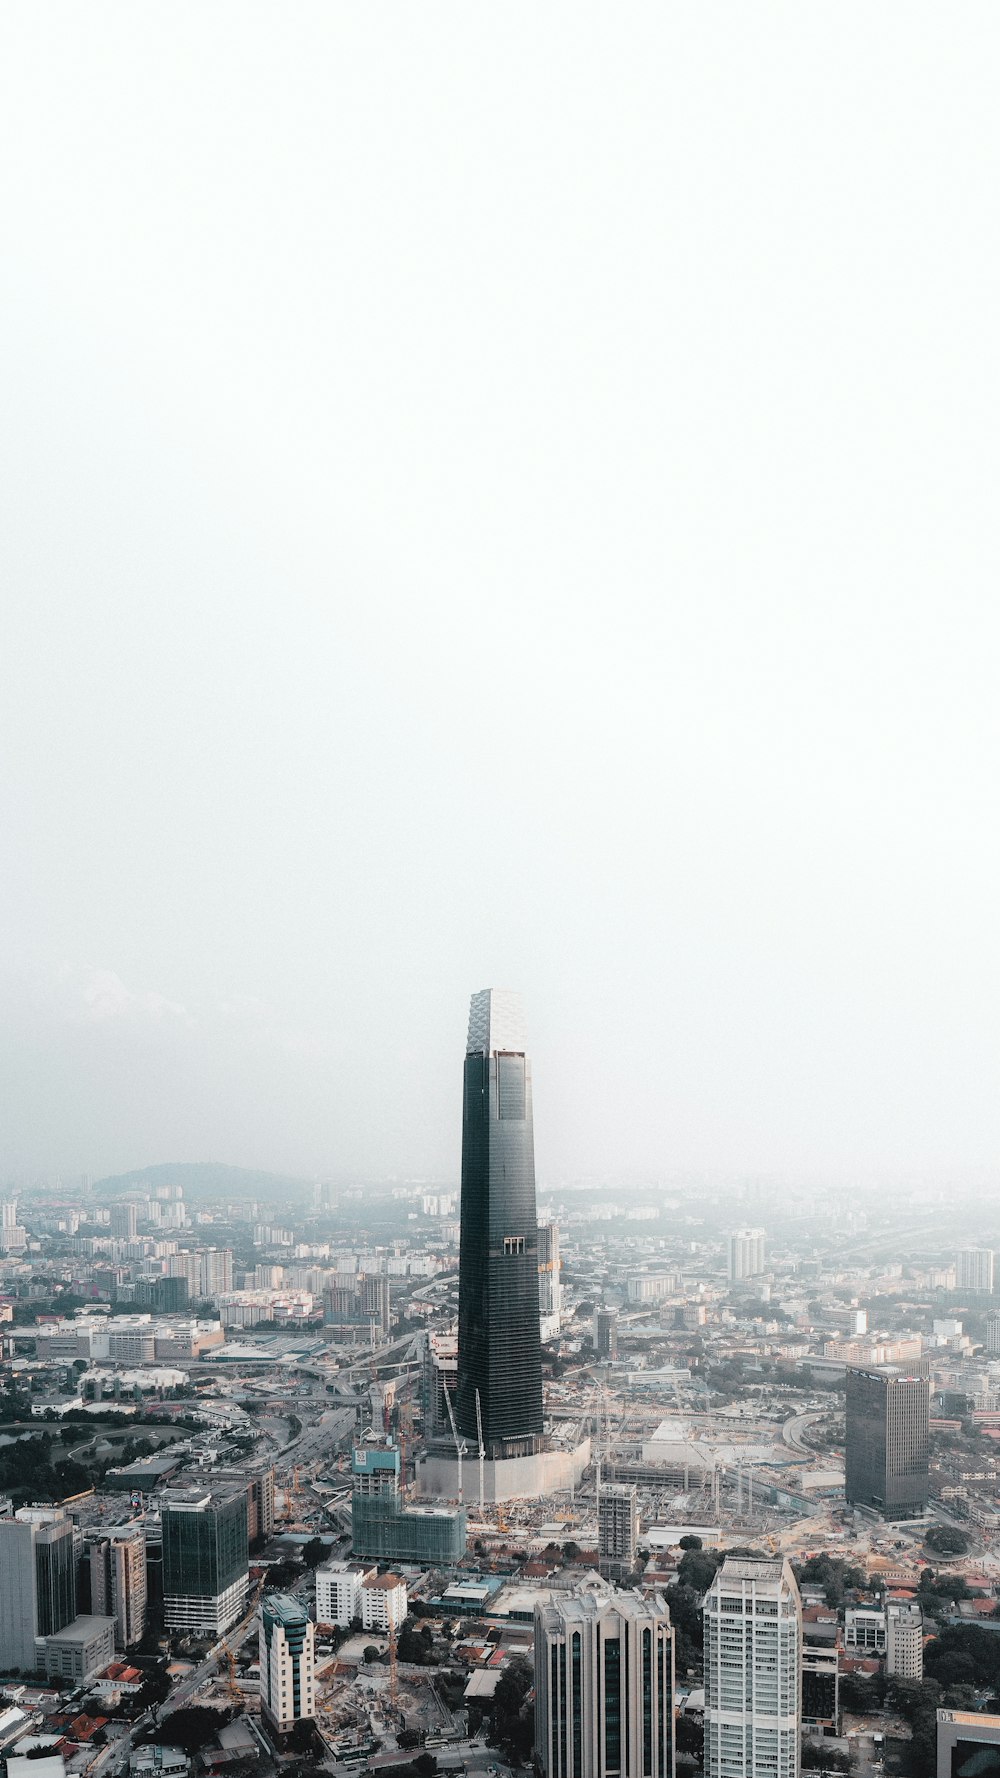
(499, 494)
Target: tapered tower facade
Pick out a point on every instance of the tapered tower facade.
(499, 1395)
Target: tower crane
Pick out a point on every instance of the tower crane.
(460, 1445)
(482, 1456)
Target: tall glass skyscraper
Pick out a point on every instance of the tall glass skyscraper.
(499, 1349)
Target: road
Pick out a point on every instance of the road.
(793, 1430)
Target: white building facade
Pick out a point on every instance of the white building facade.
(752, 1619)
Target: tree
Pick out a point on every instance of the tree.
(191, 1727)
(697, 1569)
(947, 1540)
(370, 1654)
(425, 1764)
(314, 1551)
(690, 1542)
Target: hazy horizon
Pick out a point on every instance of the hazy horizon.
(499, 498)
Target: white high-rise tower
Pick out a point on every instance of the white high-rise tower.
(753, 1656)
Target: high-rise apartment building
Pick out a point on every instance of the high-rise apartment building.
(188, 1267)
(974, 1269)
(124, 1220)
(374, 1293)
(259, 1487)
(205, 1561)
(12, 1236)
(37, 1582)
(604, 1686)
(752, 1620)
(605, 1333)
(904, 1640)
(216, 1271)
(993, 1336)
(746, 1254)
(617, 1528)
(499, 1347)
(887, 1446)
(118, 1582)
(549, 1285)
(286, 1643)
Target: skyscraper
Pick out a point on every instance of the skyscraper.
(752, 1620)
(287, 1662)
(887, 1444)
(604, 1686)
(499, 1349)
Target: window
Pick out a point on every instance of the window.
(513, 1244)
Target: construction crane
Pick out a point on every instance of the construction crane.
(482, 1456)
(460, 1445)
(232, 1644)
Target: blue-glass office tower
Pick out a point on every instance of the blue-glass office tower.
(499, 1350)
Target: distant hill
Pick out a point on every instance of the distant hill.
(206, 1179)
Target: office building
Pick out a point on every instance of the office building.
(549, 1284)
(887, 1450)
(746, 1254)
(604, 1686)
(752, 1620)
(974, 1269)
(286, 1642)
(383, 1529)
(617, 1529)
(37, 1582)
(118, 1582)
(606, 1333)
(993, 1336)
(205, 1563)
(123, 1221)
(904, 1640)
(968, 1744)
(80, 1651)
(338, 1592)
(499, 1397)
(383, 1602)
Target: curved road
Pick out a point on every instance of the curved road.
(792, 1432)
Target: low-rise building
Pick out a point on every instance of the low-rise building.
(80, 1651)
